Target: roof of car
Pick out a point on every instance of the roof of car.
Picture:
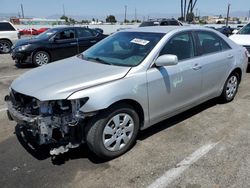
(166, 29)
(68, 27)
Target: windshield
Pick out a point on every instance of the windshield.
(123, 48)
(245, 30)
(46, 34)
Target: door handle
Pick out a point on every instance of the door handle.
(230, 56)
(93, 41)
(197, 67)
(73, 43)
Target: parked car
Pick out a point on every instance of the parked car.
(55, 44)
(161, 22)
(127, 82)
(8, 36)
(32, 31)
(237, 29)
(242, 37)
(226, 30)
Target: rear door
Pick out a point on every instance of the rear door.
(86, 38)
(171, 88)
(216, 57)
(64, 44)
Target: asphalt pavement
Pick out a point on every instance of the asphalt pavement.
(207, 146)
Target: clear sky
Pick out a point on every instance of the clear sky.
(43, 8)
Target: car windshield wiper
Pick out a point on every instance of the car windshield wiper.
(99, 60)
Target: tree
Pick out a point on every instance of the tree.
(187, 8)
(190, 17)
(111, 19)
(65, 18)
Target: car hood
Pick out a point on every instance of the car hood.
(243, 40)
(21, 42)
(60, 79)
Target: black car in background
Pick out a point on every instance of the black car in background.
(55, 44)
(226, 30)
(160, 22)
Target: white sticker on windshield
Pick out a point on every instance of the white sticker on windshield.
(140, 41)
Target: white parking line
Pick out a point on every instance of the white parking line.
(3, 77)
(169, 176)
(3, 109)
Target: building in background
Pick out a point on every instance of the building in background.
(37, 21)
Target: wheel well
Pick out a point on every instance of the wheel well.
(239, 72)
(6, 40)
(137, 107)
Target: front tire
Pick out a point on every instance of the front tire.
(5, 46)
(230, 88)
(41, 58)
(113, 132)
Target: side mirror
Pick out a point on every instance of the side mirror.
(166, 60)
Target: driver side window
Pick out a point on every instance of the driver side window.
(66, 34)
(180, 45)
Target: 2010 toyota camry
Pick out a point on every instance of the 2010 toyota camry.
(129, 81)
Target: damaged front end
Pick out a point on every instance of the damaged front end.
(59, 122)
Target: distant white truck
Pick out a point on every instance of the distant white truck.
(8, 36)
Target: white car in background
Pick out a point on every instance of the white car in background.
(242, 38)
(8, 36)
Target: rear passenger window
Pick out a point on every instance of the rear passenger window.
(6, 27)
(210, 43)
(181, 45)
(85, 33)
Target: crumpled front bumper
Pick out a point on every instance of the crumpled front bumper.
(15, 115)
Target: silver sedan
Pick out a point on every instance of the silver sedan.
(129, 81)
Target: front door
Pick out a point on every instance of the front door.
(64, 44)
(172, 88)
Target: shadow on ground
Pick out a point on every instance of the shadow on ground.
(42, 153)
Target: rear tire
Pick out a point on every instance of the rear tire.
(230, 88)
(41, 58)
(5, 46)
(112, 132)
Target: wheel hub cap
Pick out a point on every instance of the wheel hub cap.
(41, 59)
(118, 132)
(232, 85)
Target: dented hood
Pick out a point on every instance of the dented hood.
(60, 79)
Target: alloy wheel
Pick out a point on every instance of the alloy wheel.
(118, 132)
(232, 86)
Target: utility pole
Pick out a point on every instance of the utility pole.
(22, 10)
(135, 15)
(228, 10)
(125, 17)
(249, 15)
(63, 10)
